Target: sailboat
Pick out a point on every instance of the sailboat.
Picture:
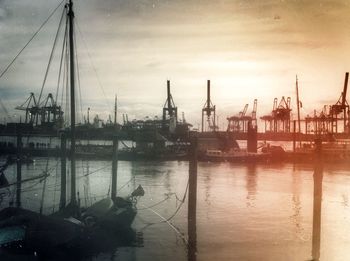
(72, 229)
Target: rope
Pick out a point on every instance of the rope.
(44, 185)
(78, 78)
(92, 172)
(26, 180)
(169, 223)
(54, 193)
(93, 67)
(61, 62)
(133, 178)
(167, 220)
(14, 59)
(156, 204)
(51, 55)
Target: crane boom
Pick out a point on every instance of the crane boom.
(345, 89)
(245, 110)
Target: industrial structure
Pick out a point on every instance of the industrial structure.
(209, 111)
(320, 123)
(280, 117)
(47, 114)
(169, 119)
(333, 118)
(340, 110)
(239, 123)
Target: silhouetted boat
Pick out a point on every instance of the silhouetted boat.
(236, 155)
(27, 231)
(115, 215)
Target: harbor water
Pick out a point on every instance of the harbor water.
(244, 212)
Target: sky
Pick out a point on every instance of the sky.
(248, 49)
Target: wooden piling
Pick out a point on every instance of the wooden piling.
(252, 139)
(317, 205)
(192, 201)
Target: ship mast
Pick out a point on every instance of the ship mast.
(72, 100)
(298, 107)
(115, 111)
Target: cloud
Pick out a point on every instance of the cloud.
(132, 47)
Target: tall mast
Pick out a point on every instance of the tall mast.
(72, 99)
(115, 111)
(298, 106)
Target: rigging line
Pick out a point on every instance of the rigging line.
(31, 187)
(169, 223)
(163, 200)
(44, 188)
(54, 192)
(52, 167)
(78, 78)
(61, 61)
(45, 181)
(14, 59)
(133, 178)
(26, 180)
(93, 67)
(51, 55)
(95, 171)
(156, 204)
(65, 85)
(176, 211)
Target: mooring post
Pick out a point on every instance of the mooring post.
(252, 138)
(114, 168)
(317, 206)
(63, 170)
(19, 169)
(192, 201)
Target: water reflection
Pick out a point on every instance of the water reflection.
(207, 183)
(167, 181)
(251, 184)
(316, 224)
(296, 202)
(192, 204)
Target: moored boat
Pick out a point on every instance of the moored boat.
(235, 155)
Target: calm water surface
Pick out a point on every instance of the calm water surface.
(244, 212)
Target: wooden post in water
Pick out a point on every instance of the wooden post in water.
(192, 201)
(63, 170)
(19, 170)
(114, 168)
(252, 142)
(316, 222)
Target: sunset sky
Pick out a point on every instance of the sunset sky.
(248, 49)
